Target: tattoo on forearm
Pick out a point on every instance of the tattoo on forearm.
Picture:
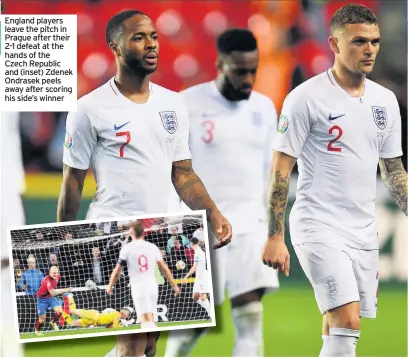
(277, 201)
(71, 193)
(189, 186)
(396, 180)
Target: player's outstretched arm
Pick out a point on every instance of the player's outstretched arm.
(59, 291)
(396, 181)
(167, 273)
(275, 252)
(192, 191)
(71, 193)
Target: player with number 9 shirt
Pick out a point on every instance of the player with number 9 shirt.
(141, 258)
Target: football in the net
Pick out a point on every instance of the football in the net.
(180, 265)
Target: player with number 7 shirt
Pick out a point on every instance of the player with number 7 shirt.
(135, 136)
(338, 125)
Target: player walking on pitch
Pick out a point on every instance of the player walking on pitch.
(201, 286)
(134, 134)
(141, 258)
(232, 127)
(338, 125)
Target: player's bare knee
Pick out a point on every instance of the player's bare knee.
(347, 316)
(195, 296)
(58, 309)
(248, 297)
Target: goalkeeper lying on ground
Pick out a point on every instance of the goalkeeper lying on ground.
(96, 318)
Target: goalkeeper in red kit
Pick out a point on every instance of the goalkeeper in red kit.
(46, 299)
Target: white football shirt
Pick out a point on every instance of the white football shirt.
(199, 258)
(12, 176)
(231, 147)
(141, 257)
(338, 140)
(130, 147)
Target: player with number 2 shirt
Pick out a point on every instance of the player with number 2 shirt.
(338, 126)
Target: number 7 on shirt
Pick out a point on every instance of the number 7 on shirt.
(122, 147)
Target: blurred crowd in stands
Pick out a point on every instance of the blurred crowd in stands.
(91, 251)
(292, 38)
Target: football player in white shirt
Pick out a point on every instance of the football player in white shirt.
(134, 134)
(338, 125)
(141, 257)
(232, 128)
(201, 286)
(12, 214)
(199, 234)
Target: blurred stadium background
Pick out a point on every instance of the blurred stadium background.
(292, 37)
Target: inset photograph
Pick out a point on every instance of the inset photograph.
(91, 278)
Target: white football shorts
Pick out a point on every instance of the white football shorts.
(201, 285)
(238, 267)
(340, 275)
(146, 301)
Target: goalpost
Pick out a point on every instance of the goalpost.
(86, 254)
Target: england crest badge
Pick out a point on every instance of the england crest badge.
(169, 121)
(380, 116)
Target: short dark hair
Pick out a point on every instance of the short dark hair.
(236, 40)
(114, 25)
(352, 14)
(138, 226)
(194, 241)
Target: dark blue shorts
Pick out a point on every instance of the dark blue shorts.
(44, 303)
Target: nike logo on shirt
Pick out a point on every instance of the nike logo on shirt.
(119, 127)
(332, 118)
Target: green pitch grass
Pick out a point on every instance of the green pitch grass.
(102, 330)
(292, 328)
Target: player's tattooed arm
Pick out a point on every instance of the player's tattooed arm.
(278, 191)
(192, 191)
(71, 193)
(190, 188)
(396, 181)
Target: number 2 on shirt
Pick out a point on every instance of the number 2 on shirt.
(339, 134)
(143, 263)
(122, 147)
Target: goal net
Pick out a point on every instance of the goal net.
(86, 255)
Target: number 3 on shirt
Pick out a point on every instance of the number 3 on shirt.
(334, 130)
(143, 263)
(209, 128)
(122, 147)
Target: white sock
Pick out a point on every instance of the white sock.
(206, 305)
(343, 342)
(325, 348)
(111, 353)
(248, 330)
(181, 343)
(147, 325)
